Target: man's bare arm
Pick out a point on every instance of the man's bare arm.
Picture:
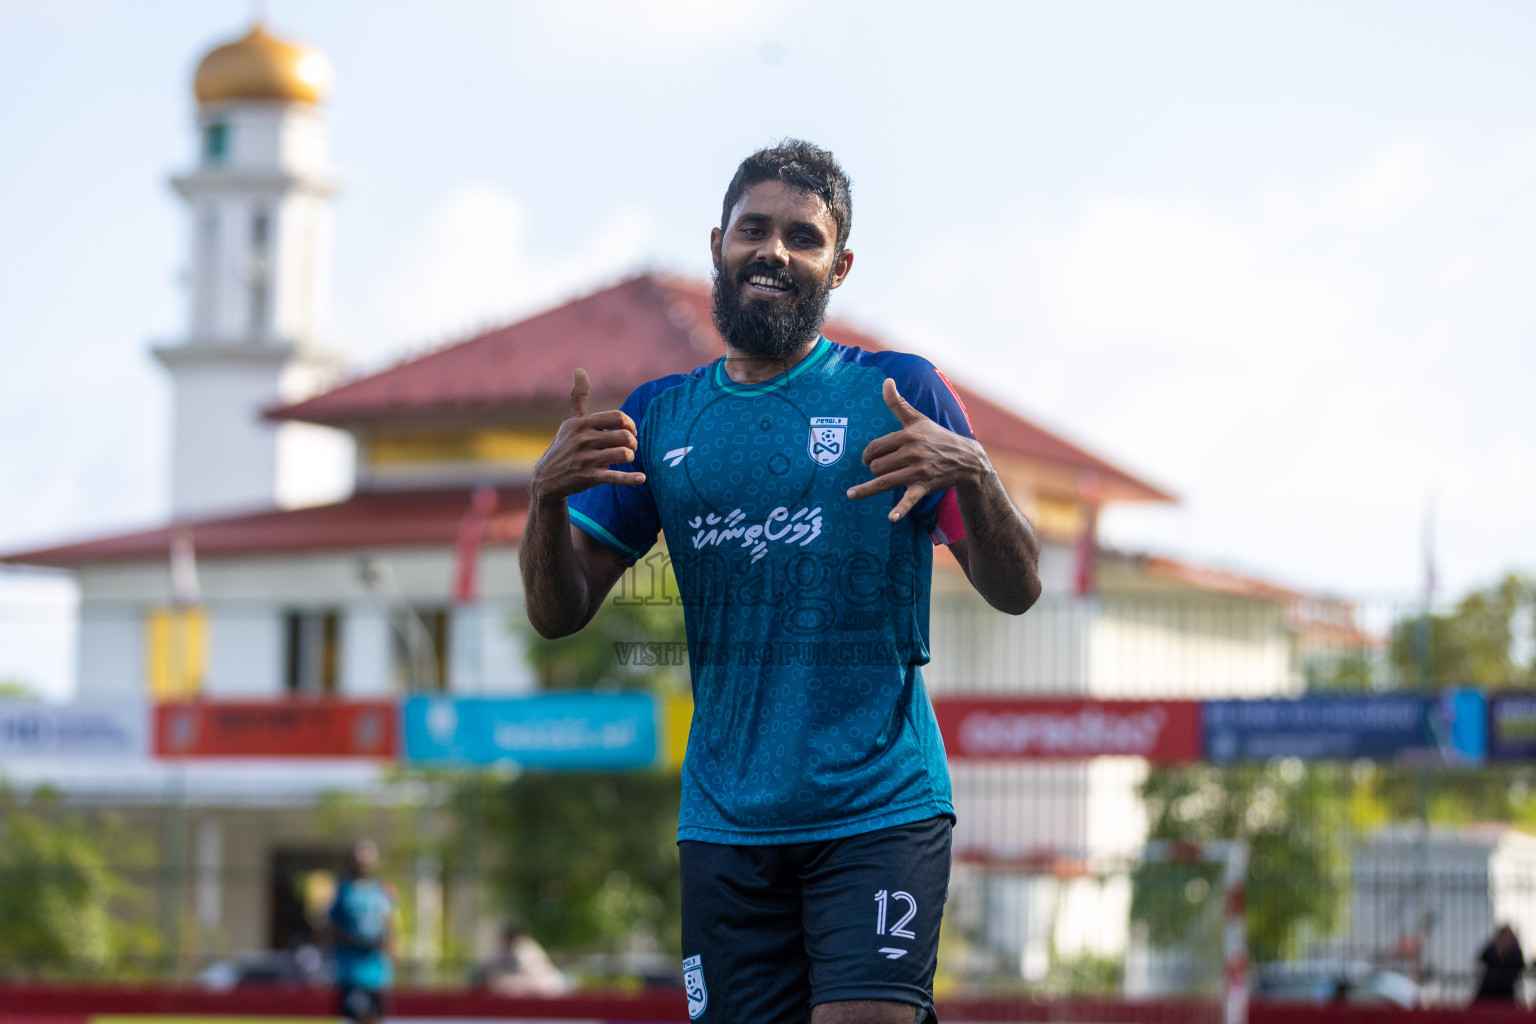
(999, 552)
(567, 574)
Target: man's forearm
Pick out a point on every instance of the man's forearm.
(555, 586)
(1003, 553)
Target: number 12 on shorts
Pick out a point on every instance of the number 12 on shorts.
(885, 902)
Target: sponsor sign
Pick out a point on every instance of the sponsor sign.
(287, 728)
(1005, 729)
(1404, 727)
(87, 732)
(1512, 726)
(564, 730)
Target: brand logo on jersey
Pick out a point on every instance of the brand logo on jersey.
(828, 438)
(693, 984)
(892, 953)
(673, 457)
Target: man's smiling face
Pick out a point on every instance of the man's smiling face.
(776, 262)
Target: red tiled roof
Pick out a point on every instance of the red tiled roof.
(624, 336)
(1201, 577)
(366, 520)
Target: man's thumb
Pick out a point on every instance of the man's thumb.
(579, 395)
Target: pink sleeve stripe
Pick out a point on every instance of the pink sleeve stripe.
(958, 400)
(950, 527)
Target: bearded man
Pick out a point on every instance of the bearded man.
(816, 814)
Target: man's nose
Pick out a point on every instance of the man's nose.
(773, 252)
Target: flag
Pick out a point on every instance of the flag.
(184, 586)
(1088, 496)
(482, 505)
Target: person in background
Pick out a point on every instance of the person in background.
(362, 930)
(1503, 963)
(522, 968)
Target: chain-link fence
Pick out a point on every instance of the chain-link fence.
(1358, 871)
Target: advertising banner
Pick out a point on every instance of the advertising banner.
(1512, 727)
(1450, 728)
(561, 730)
(288, 728)
(1002, 728)
(75, 731)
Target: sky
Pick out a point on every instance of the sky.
(1272, 257)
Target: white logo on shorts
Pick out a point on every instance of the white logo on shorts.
(693, 984)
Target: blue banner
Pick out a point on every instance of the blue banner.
(1451, 728)
(563, 730)
(1512, 726)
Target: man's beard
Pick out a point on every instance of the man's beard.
(759, 328)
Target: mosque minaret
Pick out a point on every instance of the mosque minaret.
(259, 200)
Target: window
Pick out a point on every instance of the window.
(420, 650)
(207, 273)
(260, 238)
(313, 655)
(216, 142)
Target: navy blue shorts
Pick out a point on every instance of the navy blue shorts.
(771, 931)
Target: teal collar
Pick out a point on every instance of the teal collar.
(723, 381)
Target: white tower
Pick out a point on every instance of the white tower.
(260, 254)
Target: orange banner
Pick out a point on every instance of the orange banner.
(291, 728)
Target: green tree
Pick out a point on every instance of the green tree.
(1485, 641)
(587, 860)
(65, 907)
(643, 608)
(12, 688)
(1296, 820)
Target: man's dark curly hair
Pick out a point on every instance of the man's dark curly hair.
(804, 168)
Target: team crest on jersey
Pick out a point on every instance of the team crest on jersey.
(693, 984)
(829, 436)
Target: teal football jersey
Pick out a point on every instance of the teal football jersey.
(806, 611)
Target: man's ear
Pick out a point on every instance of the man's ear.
(840, 267)
(714, 245)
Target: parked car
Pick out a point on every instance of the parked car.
(1332, 981)
(284, 968)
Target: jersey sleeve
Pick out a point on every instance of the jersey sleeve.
(623, 517)
(931, 393)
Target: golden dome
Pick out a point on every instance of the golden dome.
(262, 67)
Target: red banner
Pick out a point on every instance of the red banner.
(291, 728)
(1009, 729)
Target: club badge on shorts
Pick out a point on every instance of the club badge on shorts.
(828, 436)
(693, 984)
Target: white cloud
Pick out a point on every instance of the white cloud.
(608, 30)
(1302, 369)
(471, 265)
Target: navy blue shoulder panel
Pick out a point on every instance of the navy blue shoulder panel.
(919, 382)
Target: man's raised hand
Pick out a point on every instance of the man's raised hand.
(922, 456)
(584, 447)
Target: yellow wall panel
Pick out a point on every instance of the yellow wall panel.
(676, 719)
(176, 652)
(500, 446)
